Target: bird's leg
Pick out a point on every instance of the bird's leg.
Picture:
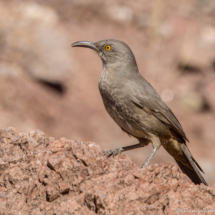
(156, 145)
(118, 151)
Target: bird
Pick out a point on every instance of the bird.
(133, 103)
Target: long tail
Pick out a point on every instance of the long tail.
(193, 172)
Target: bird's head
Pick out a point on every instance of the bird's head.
(110, 51)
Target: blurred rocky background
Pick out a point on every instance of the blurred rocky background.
(47, 85)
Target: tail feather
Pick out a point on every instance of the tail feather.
(197, 164)
(195, 178)
(193, 173)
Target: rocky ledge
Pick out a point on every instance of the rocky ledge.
(40, 175)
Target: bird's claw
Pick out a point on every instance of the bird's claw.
(113, 152)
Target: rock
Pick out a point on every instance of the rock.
(120, 13)
(40, 175)
(209, 93)
(33, 41)
(192, 101)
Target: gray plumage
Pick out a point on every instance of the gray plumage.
(137, 108)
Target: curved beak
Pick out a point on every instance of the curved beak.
(85, 44)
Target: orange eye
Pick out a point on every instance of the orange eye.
(108, 47)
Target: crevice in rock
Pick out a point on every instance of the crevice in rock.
(52, 168)
(82, 161)
(164, 207)
(55, 86)
(94, 201)
(65, 192)
(189, 68)
(47, 197)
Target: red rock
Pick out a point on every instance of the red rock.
(76, 178)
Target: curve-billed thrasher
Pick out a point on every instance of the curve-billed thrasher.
(138, 109)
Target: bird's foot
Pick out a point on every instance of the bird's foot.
(145, 165)
(113, 152)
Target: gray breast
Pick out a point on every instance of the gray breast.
(115, 103)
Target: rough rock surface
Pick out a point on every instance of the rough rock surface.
(40, 175)
(173, 43)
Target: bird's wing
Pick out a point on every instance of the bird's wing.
(160, 110)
